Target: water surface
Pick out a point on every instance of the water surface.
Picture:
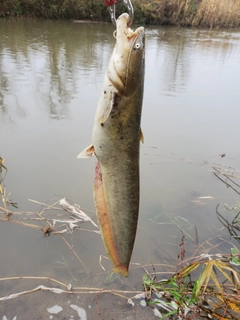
(51, 75)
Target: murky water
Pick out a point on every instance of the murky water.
(51, 74)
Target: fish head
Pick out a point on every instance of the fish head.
(126, 68)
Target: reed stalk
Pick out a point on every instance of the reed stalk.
(206, 13)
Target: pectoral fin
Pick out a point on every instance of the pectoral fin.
(87, 152)
(141, 136)
(113, 100)
(104, 116)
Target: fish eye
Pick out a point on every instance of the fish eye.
(137, 46)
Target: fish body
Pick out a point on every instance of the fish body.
(115, 142)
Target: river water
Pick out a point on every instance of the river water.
(51, 74)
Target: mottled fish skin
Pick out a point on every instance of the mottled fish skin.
(115, 142)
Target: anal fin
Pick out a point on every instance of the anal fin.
(104, 223)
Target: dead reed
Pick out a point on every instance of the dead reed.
(218, 13)
(206, 13)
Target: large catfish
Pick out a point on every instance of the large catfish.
(115, 143)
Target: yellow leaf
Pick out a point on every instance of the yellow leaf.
(234, 307)
(222, 265)
(205, 276)
(217, 284)
(185, 271)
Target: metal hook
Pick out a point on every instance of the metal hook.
(128, 5)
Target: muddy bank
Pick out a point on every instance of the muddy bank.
(48, 305)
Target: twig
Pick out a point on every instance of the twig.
(22, 223)
(227, 184)
(32, 278)
(86, 270)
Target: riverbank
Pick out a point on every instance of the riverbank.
(205, 13)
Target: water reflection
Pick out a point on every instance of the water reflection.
(176, 48)
(47, 61)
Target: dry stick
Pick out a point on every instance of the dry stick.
(213, 247)
(86, 270)
(155, 265)
(202, 245)
(31, 278)
(64, 285)
(196, 258)
(32, 219)
(16, 213)
(227, 184)
(45, 219)
(138, 265)
(236, 184)
(229, 226)
(210, 245)
(22, 223)
(227, 175)
(56, 290)
(49, 206)
(79, 228)
(106, 290)
(229, 242)
(184, 231)
(2, 192)
(1, 208)
(15, 295)
(174, 221)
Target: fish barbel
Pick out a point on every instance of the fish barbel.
(115, 142)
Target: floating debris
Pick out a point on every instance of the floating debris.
(75, 210)
(55, 309)
(81, 312)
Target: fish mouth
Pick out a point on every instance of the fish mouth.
(124, 33)
(127, 43)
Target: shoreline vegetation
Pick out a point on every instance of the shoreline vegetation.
(191, 13)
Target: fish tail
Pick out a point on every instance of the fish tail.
(121, 269)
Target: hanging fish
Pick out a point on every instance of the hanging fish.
(115, 143)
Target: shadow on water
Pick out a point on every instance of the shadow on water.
(53, 70)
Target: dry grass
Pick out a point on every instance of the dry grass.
(167, 12)
(218, 13)
(207, 13)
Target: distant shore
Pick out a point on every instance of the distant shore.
(196, 13)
